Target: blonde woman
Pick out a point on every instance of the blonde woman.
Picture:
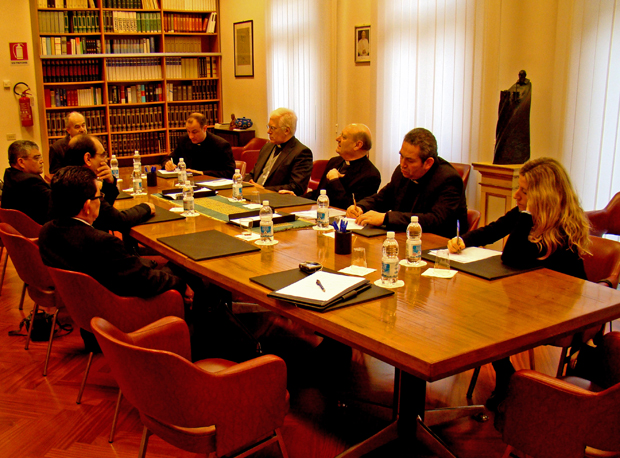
(546, 228)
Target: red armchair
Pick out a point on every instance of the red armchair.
(255, 143)
(211, 406)
(607, 220)
(463, 170)
(318, 169)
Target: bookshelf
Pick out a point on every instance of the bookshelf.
(135, 68)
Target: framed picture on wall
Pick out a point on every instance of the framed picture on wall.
(362, 43)
(243, 33)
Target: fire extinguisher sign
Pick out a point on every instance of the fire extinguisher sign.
(19, 53)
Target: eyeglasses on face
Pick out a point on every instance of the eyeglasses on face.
(100, 197)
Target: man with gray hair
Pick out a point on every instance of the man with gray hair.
(284, 163)
(75, 124)
(423, 185)
(24, 187)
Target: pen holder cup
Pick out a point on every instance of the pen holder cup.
(343, 242)
(151, 179)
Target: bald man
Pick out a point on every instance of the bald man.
(75, 124)
(351, 172)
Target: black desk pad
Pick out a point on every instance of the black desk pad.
(162, 215)
(124, 195)
(207, 245)
(369, 231)
(490, 268)
(280, 280)
(277, 200)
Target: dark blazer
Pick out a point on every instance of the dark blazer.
(212, 157)
(361, 178)
(57, 154)
(28, 193)
(291, 170)
(70, 244)
(437, 199)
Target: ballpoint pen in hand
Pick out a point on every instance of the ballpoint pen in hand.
(318, 282)
(458, 228)
(354, 203)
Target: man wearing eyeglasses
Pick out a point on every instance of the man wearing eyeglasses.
(284, 163)
(423, 185)
(24, 187)
(75, 124)
(87, 151)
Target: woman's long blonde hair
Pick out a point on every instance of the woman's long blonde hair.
(554, 205)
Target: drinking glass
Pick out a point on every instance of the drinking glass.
(442, 263)
(358, 257)
(247, 231)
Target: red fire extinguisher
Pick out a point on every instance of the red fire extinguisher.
(25, 110)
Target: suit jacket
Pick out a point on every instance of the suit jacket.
(28, 193)
(437, 199)
(361, 178)
(291, 170)
(70, 244)
(212, 157)
(57, 154)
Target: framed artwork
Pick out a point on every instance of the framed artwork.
(243, 33)
(362, 43)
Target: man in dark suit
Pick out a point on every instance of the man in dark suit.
(424, 185)
(75, 124)
(24, 188)
(202, 152)
(284, 162)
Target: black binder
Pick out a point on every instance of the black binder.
(207, 245)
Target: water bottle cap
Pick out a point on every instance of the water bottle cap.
(265, 203)
(391, 234)
(414, 219)
(114, 156)
(237, 170)
(323, 192)
(136, 152)
(180, 159)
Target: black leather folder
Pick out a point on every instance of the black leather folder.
(207, 245)
(162, 215)
(369, 231)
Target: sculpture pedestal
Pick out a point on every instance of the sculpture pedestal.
(497, 183)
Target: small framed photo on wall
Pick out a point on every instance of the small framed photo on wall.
(362, 43)
(244, 48)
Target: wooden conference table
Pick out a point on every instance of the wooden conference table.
(430, 329)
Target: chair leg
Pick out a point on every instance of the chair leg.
(472, 383)
(32, 314)
(530, 352)
(21, 301)
(144, 443)
(90, 360)
(563, 358)
(281, 443)
(115, 418)
(6, 260)
(49, 345)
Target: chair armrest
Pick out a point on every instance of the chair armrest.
(168, 334)
(544, 416)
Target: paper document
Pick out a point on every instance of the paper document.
(470, 254)
(311, 214)
(243, 222)
(334, 286)
(171, 174)
(220, 182)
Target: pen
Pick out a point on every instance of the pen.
(354, 203)
(458, 228)
(318, 282)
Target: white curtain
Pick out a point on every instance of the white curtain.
(592, 128)
(425, 75)
(301, 66)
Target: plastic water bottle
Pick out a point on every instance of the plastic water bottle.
(114, 167)
(237, 187)
(266, 222)
(188, 199)
(136, 177)
(137, 160)
(322, 212)
(389, 261)
(182, 172)
(414, 241)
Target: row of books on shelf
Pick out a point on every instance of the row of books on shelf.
(177, 114)
(174, 22)
(196, 90)
(146, 142)
(183, 44)
(71, 70)
(134, 69)
(138, 93)
(191, 67)
(144, 45)
(58, 46)
(67, 4)
(122, 119)
(68, 22)
(61, 97)
(131, 22)
(95, 121)
(190, 5)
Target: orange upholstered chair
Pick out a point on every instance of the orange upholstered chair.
(26, 226)
(255, 143)
(27, 261)
(318, 168)
(213, 407)
(250, 157)
(546, 417)
(463, 170)
(473, 218)
(607, 220)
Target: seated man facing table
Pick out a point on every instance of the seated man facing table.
(75, 124)
(350, 175)
(202, 152)
(424, 185)
(24, 187)
(284, 163)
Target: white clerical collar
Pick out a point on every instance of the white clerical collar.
(80, 219)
